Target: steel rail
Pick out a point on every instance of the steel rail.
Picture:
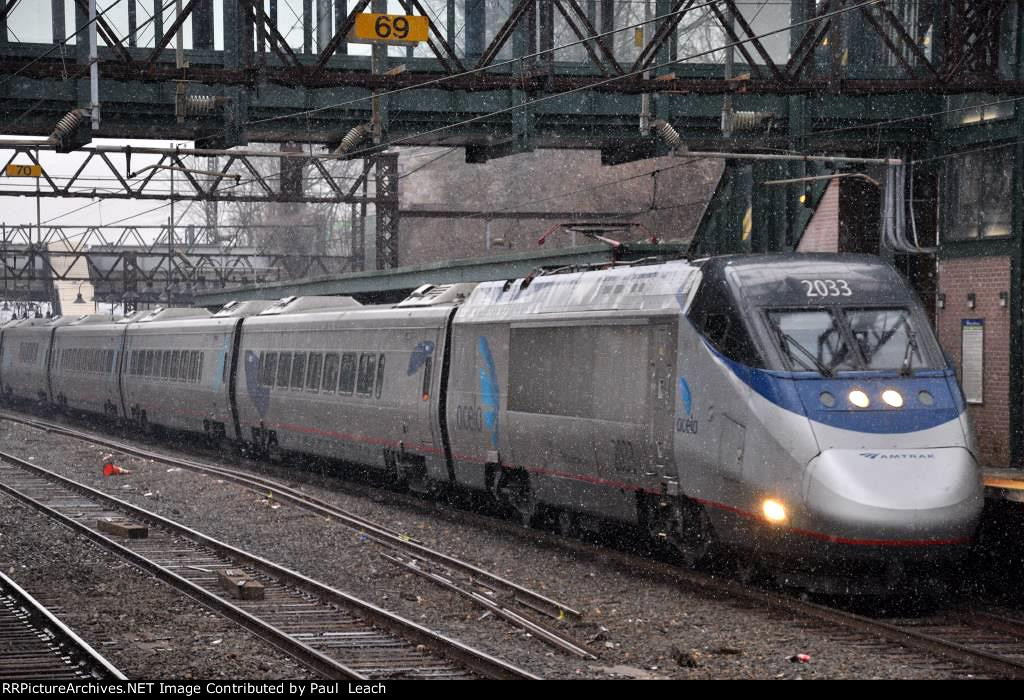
(313, 659)
(50, 638)
(375, 531)
(717, 587)
(474, 661)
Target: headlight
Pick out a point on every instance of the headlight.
(773, 511)
(859, 399)
(893, 398)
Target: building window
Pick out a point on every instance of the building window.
(978, 195)
(974, 108)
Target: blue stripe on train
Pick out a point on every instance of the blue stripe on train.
(800, 392)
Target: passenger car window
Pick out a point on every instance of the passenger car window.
(269, 369)
(367, 371)
(298, 370)
(313, 371)
(284, 369)
(330, 372)
(348, 373)
(380, 374)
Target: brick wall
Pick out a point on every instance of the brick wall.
(822, 232)
(985, 277)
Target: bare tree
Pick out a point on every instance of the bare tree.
(290, 227)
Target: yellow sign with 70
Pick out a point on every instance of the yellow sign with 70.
(389, 29)
(23, 170)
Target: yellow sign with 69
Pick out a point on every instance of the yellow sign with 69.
(389, 29)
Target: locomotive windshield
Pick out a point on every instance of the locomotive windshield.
(811, 340)
(844, 339)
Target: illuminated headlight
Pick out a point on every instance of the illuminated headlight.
(893, 398)
(859, 399)
(773, 510)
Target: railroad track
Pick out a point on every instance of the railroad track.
(35, 645)
(974, 641)
(329, 631)
(506, 599)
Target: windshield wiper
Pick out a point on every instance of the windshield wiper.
(908, 355)
(787, 340)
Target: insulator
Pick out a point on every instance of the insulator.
(67, 124)
(668, 133)
(748, 121)
(199, 105)
(353, 138)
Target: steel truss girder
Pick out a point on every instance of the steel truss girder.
(480, 82)
(224, 238)
(236, 171)
(256, 15)
(960, 66)
(139, 260)
(971, 37)
(969, 50)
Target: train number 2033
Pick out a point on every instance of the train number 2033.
(827, 288)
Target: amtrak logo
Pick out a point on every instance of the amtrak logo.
(893, 455)
(259, 394)
(489, 391)
(423, 350)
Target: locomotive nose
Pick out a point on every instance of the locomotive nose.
(894, 496)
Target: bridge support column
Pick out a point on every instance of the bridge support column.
(476, 26)
(202, 25)
(386, 196)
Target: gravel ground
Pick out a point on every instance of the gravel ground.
(146, 629)
(637, 627)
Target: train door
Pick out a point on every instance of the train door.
(428, 357)
(662, 388)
